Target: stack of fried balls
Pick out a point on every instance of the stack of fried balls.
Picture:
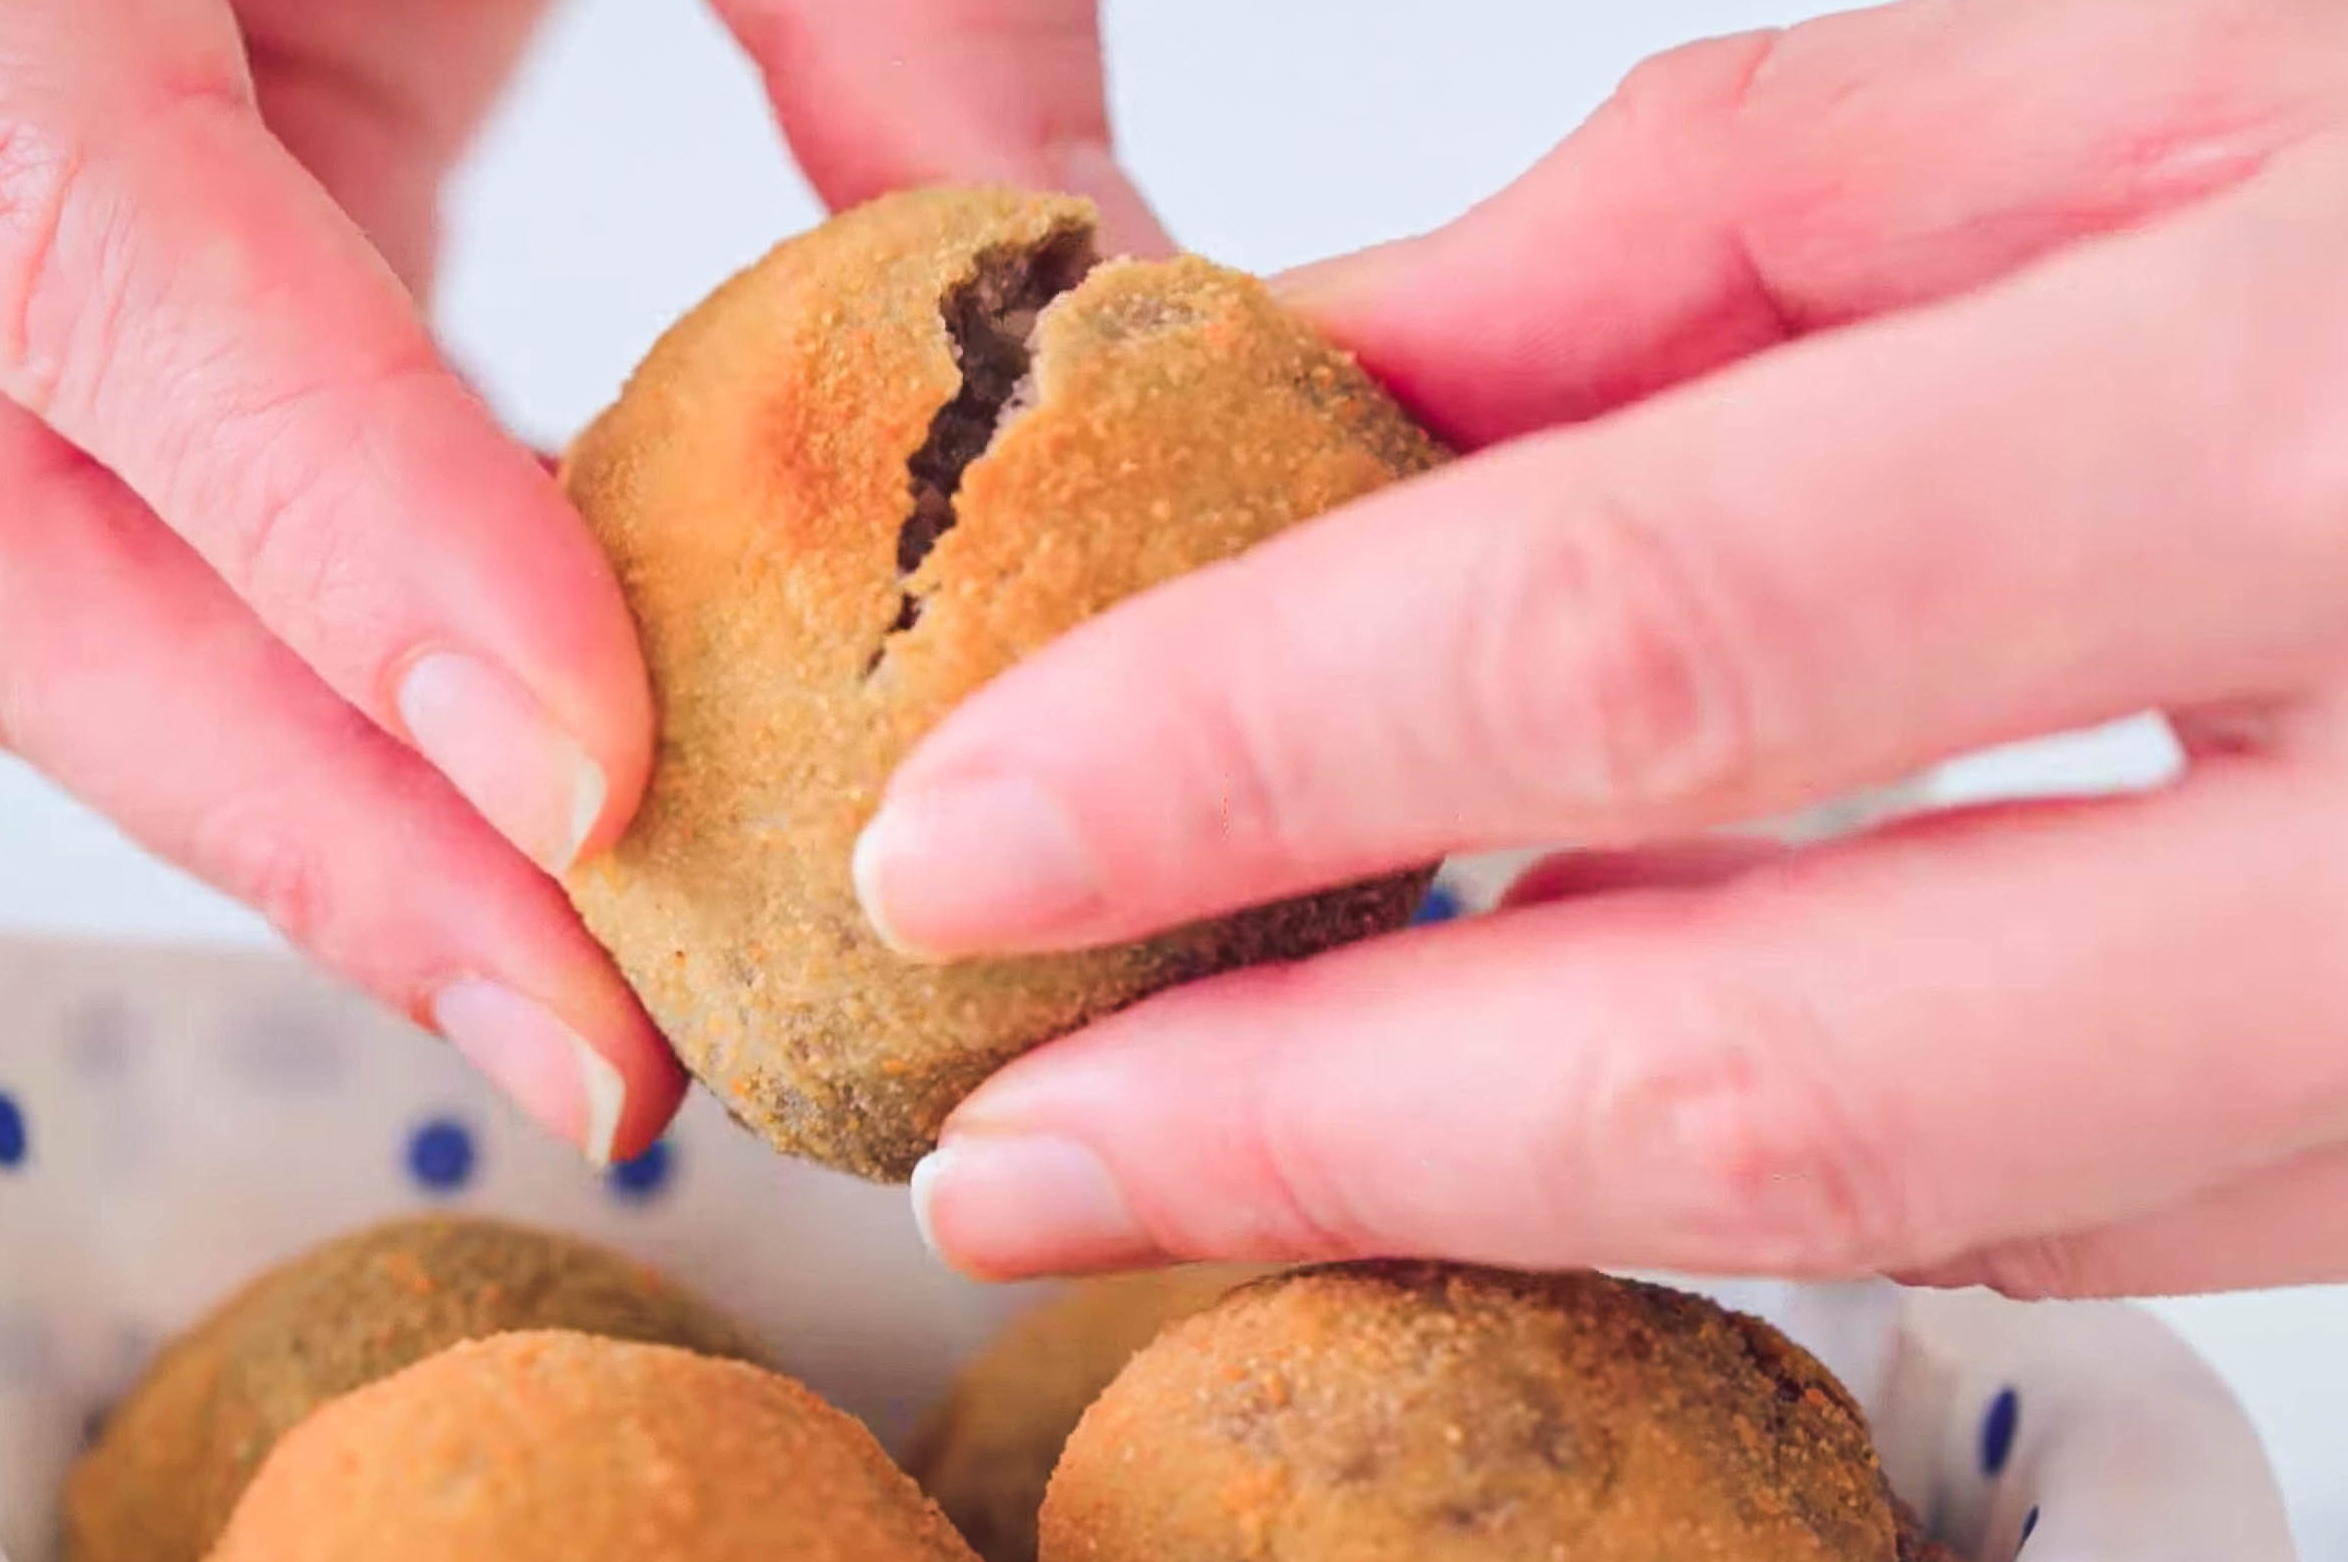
(866, 476)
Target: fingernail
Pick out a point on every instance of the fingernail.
(981, 866)
(548, 1069)
(497, 744)
(1003, 1207)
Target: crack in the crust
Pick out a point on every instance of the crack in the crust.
(991, 319)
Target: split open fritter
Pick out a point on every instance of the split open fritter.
(899, 454)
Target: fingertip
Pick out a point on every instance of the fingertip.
(921, 1191)
(538, 1061)
(513, 760)
(586, 1065)
(606, 1097)
(998, 1207)
(869, 870)
(653, 1083)
(650, 1107)
(585, 648)
(979, 865)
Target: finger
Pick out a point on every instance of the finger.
(182, 301)
(1880, 1056)
(1745, 190)
(897, 93)
(131, 675)
(379, 101)
(1813, 573)
(2286, 1226)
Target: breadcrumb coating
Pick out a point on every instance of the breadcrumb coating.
(899, 454)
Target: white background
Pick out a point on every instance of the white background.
(635, 167)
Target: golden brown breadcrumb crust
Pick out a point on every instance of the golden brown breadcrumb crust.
(180, 1448)
(553, 1447)
(987, 1451)
(754, 486)
(1426, 1413)
(1915, 1544)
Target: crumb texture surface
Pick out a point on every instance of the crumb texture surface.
(1389, 1412)
(987, 1451)
(554, 1447)
(181, 1447)
(895, 457)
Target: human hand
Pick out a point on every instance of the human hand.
(269, 573)
(1917, 379)
(266, 565)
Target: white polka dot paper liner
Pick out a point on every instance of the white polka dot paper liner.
(171, 1123)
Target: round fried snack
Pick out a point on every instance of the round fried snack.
(554, 1447)
(900, 453)
(987, 1451)
(180, 1448)
(1422, 1413)
(1917, 1544)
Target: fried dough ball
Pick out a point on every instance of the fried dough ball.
(987, 1451)
(1916, 1545)
(180, 1448)
(899, 454)
(1424, 1413)
(556, 1447)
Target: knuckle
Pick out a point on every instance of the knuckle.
(1734, 1113)
(63, 245)
(1698, 90)
(249, 850)
(279, 508)
(38, 178)
(275, 549)
(1602, 679)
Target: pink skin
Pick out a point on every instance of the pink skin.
(1919, 378)
(267, 565)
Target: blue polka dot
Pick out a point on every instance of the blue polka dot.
(1440, 906)
(14, 1144)
(440, 1155)
(646, 1175)
(2029, 1525)
(1997, 1431)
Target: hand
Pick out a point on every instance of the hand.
(1851, 397)
(276, 593)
